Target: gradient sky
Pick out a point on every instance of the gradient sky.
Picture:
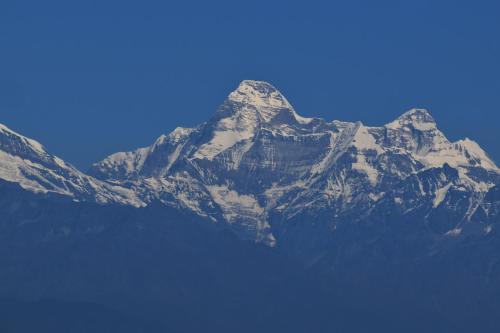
(90, 78)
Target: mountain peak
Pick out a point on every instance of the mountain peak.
(18, 140)
(259, 94)
(417, 113)
(265, 98)
(474, 152)
(419, 119)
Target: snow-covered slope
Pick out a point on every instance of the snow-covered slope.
(257, 163)
(26, 162)
(258, 166)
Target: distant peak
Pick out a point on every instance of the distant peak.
(473, 150)
(417, 113)
(259, 94)
(258, 85)
(35, 145)
(179, 133)
(420, 119)
(265, 98)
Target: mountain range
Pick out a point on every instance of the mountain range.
(394, 214)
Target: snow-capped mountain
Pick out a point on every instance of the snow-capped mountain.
(257, 164)
(26, 162)
(394, 217)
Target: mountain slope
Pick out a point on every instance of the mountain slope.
(256, 165)
(257, 161)
(26, 162)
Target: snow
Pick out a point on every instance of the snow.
(339, 143)
(12, 169)
(129, 161)
(276, 191)
(257, 104)
(419, 119)
(172, 158)
(237, 154)
(328, 159)
(356, 135)
(376, 196)
(229, 199)
(229, 132)
(471, 148)
(60, 162)
(302, 120)
(132, 162)
(441, 195)
(38, 178)
(259, 94)
(476, 186)
(160, 141)
(436, 150)
(364, 140)
(363, 166)
(182, 191)
(245, 209)
(54, 175)
(461, 153)
(35, 145)
(266, 99)
(180, 133)
(454, 232)
(208, 190)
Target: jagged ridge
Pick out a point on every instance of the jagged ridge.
(257, 164)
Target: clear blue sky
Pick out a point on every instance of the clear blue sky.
(88, 78)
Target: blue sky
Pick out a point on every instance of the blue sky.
(95, 77)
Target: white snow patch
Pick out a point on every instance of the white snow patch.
(441, 195)
(128, 161)
(454, 232)
(363, 140)
(302, 120)
(363, 166)
(376, 196)
(243, 209)
(227, 133)
(233, 203)
(180, 133)
(237, 154)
